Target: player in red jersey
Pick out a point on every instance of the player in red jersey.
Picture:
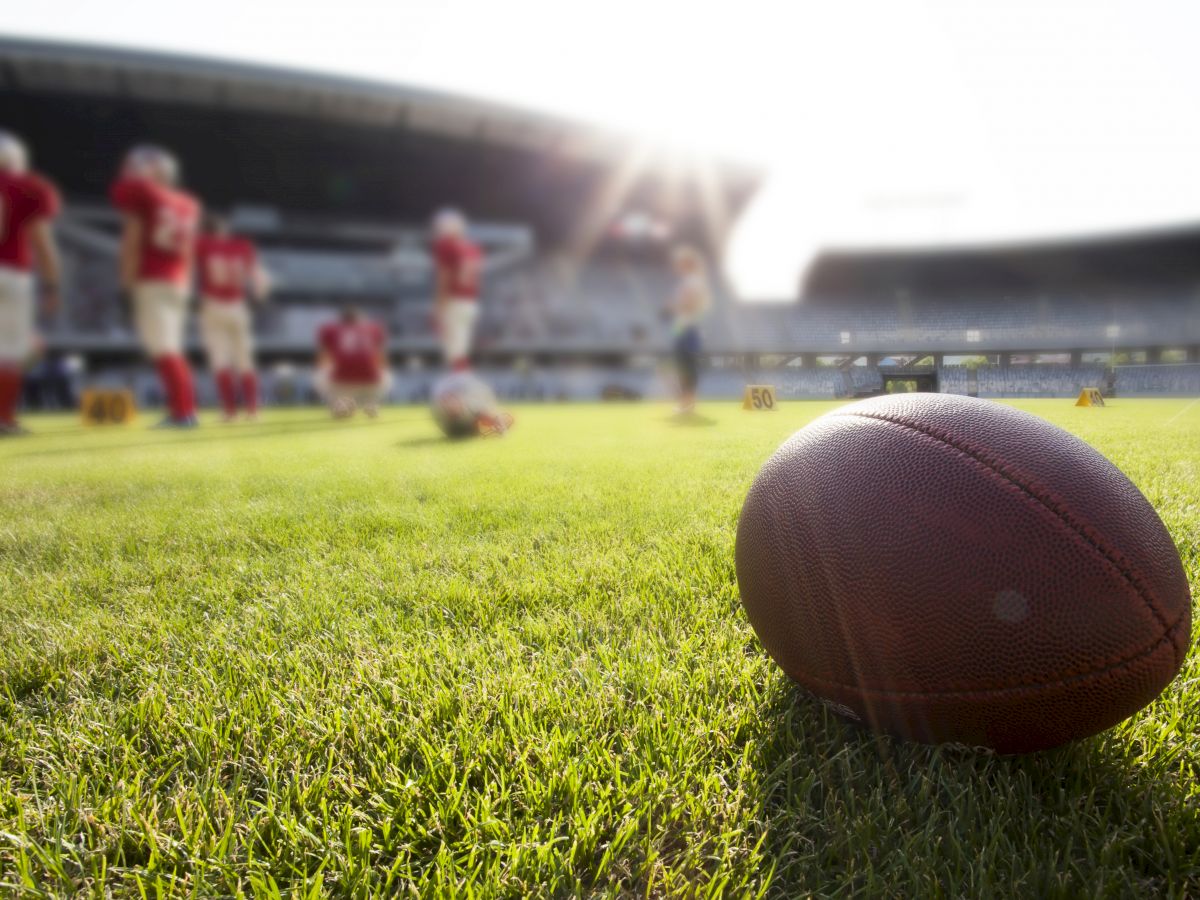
(352, 364)
(459, 264)
(157, 245)
(227, 268)
(28, 203)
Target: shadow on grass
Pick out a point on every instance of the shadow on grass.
(428, 440)
(850, 812)
(206, 434)
(694, 420)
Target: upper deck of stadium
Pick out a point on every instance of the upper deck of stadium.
(316, 143)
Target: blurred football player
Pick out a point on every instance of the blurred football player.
(227, 269)
(352, 364)
(28, 203)
(688, 306)
(157, 248)
(458, 264)
(464, 405)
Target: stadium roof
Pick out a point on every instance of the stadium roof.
(137, 75)
(1166, 257)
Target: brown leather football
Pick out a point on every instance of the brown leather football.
(950, 569)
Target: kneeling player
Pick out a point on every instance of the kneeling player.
(27, 204)
(227, 266)
(352, 364)
(157, 242)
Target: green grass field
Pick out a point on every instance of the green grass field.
(304, 658)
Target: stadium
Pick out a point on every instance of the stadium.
(306, 655)
(577, 223)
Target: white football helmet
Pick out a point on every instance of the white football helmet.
(13, 155)
(464, 406)
(153, 162)
(449, 222)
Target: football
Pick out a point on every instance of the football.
(463, 405)
(949, 569)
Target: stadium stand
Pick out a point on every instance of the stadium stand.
(1038, 380)
(549, 303)
(571, 306)
(971, 324)
(1158, 381)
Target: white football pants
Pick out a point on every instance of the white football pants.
(160, 312)
(458, 327)
(228, 335)
(16, 316)
(335, 393)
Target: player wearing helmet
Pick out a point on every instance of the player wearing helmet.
(458, 264)
(227, 269)
(157, 244)
(28, 203)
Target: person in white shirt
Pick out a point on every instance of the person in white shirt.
(688, 306)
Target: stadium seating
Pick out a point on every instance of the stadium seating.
(1035, 380)
(1150, 381)
(997, 323)
(615, 305)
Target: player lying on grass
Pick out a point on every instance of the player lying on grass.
(227, 269)
(352, 364)
(28, 203)
(465, 406)
(157, 244)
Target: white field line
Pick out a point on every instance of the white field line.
(1182, 411)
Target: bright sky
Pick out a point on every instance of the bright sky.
(896, 122)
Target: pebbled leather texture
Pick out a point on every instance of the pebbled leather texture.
(951, 569)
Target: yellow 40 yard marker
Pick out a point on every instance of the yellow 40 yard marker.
(759, 396)
(101, 406)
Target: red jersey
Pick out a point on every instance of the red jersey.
(224, 265)
(356, 349)
(169, 218)
(460, 262)
(24, 199)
